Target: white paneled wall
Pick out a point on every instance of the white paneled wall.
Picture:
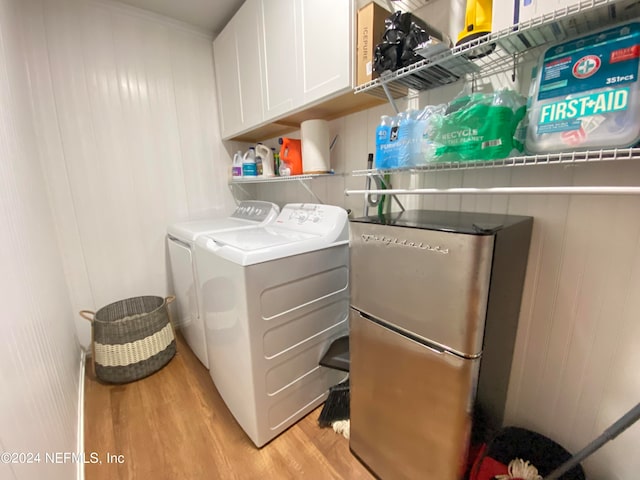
(128, 130)
(40, 355)
(575, 367)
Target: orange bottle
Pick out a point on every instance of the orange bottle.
(291, 154)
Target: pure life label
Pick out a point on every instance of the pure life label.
(585, 106)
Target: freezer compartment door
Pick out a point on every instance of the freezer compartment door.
(410, 404)
(433, 284)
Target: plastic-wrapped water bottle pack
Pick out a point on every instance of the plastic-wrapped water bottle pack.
(474, 126)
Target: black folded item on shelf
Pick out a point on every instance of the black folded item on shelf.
(385, 57)
(404, 32)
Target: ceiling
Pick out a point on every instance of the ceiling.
(211, 15)
(405, 5)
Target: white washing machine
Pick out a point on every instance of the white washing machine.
(273, 299)
(181, 239)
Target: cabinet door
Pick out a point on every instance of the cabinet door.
(238, 70)
(326, 47)
(225, 56)
(280, 44)
(248, 32)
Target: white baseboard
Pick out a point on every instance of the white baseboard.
(80, 433)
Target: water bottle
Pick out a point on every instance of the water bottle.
(409, 139)
(383, 139)
(394, 149)
(249, 168)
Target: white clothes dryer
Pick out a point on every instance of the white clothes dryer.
(180, 241)
(273, 300)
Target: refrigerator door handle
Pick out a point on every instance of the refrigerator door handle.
(407, 335)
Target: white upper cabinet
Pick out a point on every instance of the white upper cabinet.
(239, 70)
(275, 57)
(227, 80)
(281, 56)
(326, 51)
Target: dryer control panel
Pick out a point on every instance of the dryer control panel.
(255, 210)
(311, 218)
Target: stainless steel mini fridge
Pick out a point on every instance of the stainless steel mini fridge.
(435, 303)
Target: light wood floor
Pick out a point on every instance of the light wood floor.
(174, 425)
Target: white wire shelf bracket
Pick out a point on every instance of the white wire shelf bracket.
(522, 41)
(567, 158)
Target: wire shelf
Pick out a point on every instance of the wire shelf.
(546, 159)
(524, 41)
(289, 178)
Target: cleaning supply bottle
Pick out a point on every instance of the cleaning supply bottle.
(283, 169)
(258, 164)
(276, 161)
(266, 155)
(236, 166)
(291, 154)
(249, 168)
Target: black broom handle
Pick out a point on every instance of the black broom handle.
(610, 433)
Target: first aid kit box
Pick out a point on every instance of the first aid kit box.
(586, 93)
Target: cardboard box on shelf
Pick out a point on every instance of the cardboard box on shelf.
(370, 29)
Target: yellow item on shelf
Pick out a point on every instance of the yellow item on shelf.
(477, 20)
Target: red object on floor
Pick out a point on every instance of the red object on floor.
(485, 467)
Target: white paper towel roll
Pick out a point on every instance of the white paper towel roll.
(315, 146)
